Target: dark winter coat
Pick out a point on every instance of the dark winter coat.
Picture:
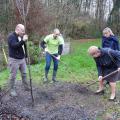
(15, 47)
(107, 62)
(110, 42)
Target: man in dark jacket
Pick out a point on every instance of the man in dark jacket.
(17, 54)
(107, 61)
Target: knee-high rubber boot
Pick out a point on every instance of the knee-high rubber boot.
(12, 83)
(12, 88)
(54, 76)
(46, 76)
(24, 82)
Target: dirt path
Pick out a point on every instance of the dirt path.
(86, 40)
(60, 101)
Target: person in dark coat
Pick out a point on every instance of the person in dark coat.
(17, 55)
(107, 61)
(109, 40)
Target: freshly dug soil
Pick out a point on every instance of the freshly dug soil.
(60, 101)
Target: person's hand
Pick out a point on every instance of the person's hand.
(43, 53)
(25, 37)
(46, 50)
(118, 69)
(58, 57)
(100, 78)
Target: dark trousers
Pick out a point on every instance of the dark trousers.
(15, 65)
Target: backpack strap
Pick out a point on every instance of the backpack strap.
(111, 57)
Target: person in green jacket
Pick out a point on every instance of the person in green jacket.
(53, 46)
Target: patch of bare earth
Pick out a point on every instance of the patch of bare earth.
(86, 40)
(60, 101)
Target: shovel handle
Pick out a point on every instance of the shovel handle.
(110, 74)
(103, 77)
(52, 55)
(5, 56)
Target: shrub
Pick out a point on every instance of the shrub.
(34, 51)
(84, 29)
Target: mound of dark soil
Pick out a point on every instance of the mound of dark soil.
(66, 113)
(60, 101)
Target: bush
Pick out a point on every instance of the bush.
(34, 51)
(3, 63)
(84, 29)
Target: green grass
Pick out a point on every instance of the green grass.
(78, 66)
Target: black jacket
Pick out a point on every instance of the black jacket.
(108, 60)
(15, 47)
(110, 42)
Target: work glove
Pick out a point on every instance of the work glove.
(25, 37)
(100, 78)
(46, 50)
(58, 57)
(118, 69)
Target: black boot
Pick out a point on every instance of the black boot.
(25, 83)
(12, 87)
(46, 76)
(54, 76)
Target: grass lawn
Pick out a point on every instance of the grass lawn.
(78, 66)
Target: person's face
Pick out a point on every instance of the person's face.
(96, 54)
(55, 35)
(21, 32)
(106, 34)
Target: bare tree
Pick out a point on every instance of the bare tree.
(114, 17)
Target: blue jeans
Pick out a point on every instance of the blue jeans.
(48, 62)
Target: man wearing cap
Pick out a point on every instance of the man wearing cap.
(53, 46)
(17, 54)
